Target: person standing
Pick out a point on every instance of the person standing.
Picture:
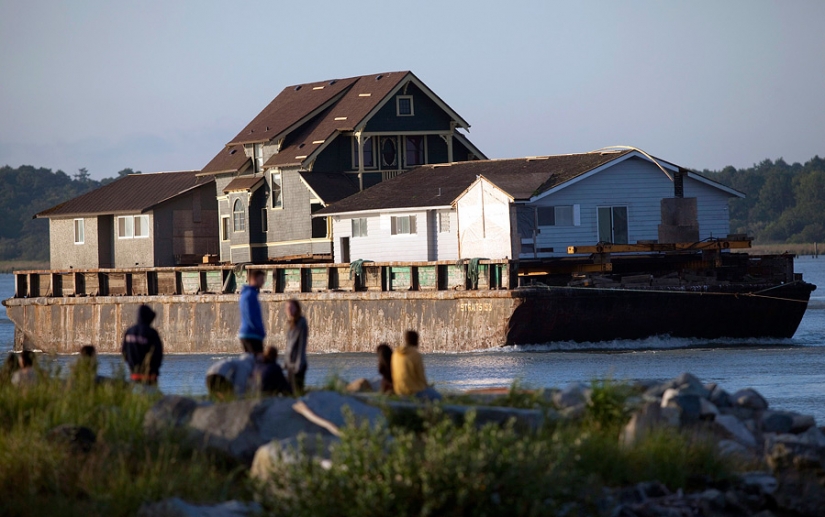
(252, 331)
(142, 348)
(296, 346)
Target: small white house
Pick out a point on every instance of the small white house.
(526, 208)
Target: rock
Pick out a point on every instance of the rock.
(361, 385)
(236, 428)
(688, 406)
(523, 419)
(169, 412)
(736, 450)
(651, 416)
(176, 507)
(689, 384)
(731, 426)
(326, 409)
(713, 497)
(291, 451)
(707, 410)
(802, 423)
(573, 395)
(750, 398)
(776, 422)
(720, 397)
(741, 413)
(79, 439)
(765, 481)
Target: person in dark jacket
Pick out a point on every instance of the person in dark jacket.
(143, 349)
(268, 378)
(384, 353)
(296, 346)
(252, 332)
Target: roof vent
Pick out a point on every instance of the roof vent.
(378, 77)
(267, 128)
(301, 146)
(333, 82)
(251, 131)
(233, 151)
(297, 87)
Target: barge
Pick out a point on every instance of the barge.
(599, 293)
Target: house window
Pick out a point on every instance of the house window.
(264, 220)
(414, 146)
(277, 198)
(359, 227)
(225, 228)
(404, 106)
(369, 160)
(444, 222)
(613, 224)
(125, 227)
(79, 231)
(555, 215)
(258, 156)
(238, 217)
(403, 225)
(141, 226)
(389, 152)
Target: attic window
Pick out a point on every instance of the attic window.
(404, 105)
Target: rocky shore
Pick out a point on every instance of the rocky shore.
(779, 455)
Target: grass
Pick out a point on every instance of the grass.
(430, 465)
(125, 468)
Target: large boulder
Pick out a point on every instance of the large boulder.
(688, 405)
(732, 427)
(328, 409)
(236, 428)
(750, 398)
(776, 422)
(291, 451)
(573, 395)
(648, 418)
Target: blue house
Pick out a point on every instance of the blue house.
(318, 143)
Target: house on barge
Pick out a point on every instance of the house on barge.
(141, 220)
(316, 144)
(527, 208)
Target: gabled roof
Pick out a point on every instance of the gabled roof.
(243, 183)
(230, 159)
(522, 178)
(131, 194)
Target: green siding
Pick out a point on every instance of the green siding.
(427, 115)
(336, 156)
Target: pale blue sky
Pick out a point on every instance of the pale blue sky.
(163, 85)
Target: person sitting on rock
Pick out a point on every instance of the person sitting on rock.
(143, 349)
(26, 375)
(85, 368)
(268, 377)
(384, 353)
(408, 377)
(230, 376)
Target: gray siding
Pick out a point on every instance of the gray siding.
(132, 252)
(186, 225)
(65, 253)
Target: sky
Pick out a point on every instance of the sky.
(163, 85)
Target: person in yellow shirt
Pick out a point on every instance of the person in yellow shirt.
(408, 377)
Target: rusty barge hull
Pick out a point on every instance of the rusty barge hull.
(450, 321)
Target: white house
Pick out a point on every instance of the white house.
(526, 208)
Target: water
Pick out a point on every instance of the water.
(789, 373)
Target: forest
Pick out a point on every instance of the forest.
(784, 203)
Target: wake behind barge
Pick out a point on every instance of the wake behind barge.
(701, 291)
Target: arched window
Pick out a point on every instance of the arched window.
(238, 217)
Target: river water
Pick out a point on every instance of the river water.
(789, 373)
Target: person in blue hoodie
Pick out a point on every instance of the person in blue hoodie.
(252, 331)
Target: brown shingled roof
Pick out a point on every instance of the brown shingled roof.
(230, 159)
(243, 183)
(133, 193)
(441, 184)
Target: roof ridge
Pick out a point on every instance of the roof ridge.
(355, 77)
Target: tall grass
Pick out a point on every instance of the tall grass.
(42, 476)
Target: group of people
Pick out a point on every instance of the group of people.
(256, 369)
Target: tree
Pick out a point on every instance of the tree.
(82, 175)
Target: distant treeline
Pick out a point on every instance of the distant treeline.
(27, 190)
(784, 204)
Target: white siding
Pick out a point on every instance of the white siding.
(484, 222)
(380, 244)
(447, 242)
(640, 186)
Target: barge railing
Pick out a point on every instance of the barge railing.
(280, 278)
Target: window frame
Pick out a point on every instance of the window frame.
(235, 216)
(225, 237)
(441, 217)
(612, 209)
(258, 157)
(541, 211)
(359, 223)
(372, 141)
(422, 150)
(81, 233)
(130, 234)
(280, 183)
(142, 218)
(264, 220)
(397, 225)
(398, 99)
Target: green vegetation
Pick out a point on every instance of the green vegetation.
(27, 190)
(41, 476)
(784, 203)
